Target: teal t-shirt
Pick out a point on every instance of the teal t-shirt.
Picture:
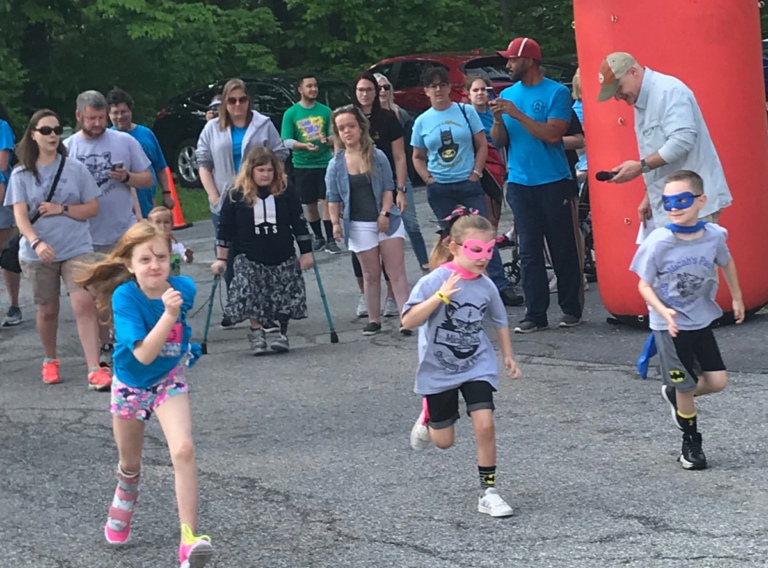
(447, 137)
(532, 161)
(308, 125)
(238, 133)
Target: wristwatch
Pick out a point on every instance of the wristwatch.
(64, 209)
(478, 174)
(645, 168)
(385, 213)
(402, 188)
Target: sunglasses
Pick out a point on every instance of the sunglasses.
(237, 100)
(46, 130)
(386, 87)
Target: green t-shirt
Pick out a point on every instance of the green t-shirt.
(307, 125)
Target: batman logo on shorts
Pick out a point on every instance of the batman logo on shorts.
(676, 376)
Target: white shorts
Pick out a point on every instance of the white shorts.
(365, 235)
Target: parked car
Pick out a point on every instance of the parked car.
(405, 74)
(178, 125)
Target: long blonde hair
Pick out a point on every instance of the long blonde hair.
(259, 156)
(393, 106)
(366, 142)
(225, 121)
(456, 233)
(102, 278)
(576, 88)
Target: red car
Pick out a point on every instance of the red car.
(405, 74)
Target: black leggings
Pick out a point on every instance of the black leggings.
(359, 269)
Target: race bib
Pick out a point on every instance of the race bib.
(172, 346)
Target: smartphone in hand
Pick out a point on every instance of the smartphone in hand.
(116, 166)
(491, 93)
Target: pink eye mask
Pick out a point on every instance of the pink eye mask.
(485, 252)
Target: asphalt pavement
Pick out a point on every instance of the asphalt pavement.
(304, 457)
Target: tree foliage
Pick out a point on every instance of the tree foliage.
(52, 50)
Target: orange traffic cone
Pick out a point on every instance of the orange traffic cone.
(178, 214)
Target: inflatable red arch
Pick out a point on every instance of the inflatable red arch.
(714, 47)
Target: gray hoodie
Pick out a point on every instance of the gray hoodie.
(214, 149)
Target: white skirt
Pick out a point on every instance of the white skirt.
(365, 235)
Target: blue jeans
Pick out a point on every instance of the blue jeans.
(545, 211)
(445, 197)
(411, 222)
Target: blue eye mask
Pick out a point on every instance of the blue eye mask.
(678, 201)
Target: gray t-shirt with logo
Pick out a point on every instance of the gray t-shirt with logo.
(116, 201)
(683, 273)
(68, 237)
(453, 347)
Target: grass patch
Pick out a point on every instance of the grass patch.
(194, 203)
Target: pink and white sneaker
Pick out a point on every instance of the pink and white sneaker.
(194, 551)
(420, 439)
(118, 527)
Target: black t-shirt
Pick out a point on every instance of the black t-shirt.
(385, 129)
(571, 155)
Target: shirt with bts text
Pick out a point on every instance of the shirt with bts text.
(116, 202)
(453, 346)
(532, 161)
(135, 316)
(683, 274)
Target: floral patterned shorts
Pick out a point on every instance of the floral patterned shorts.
(139, 403)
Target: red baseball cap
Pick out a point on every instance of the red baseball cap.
(522, 47)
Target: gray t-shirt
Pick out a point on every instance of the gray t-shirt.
(68, 237)
(116, 201)
(453, 347)
(683, 273)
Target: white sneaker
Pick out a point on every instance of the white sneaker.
(362, 308)
(492, 504)
(420, 439)
(390, 308)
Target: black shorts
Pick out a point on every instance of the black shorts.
(678, 354)
(444, 406)
(311, 184)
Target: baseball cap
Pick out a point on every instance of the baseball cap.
(522, 47)
(613, 68)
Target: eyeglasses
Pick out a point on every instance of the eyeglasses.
(440, 85)
(46, 130)
(364, 90)
(237, 100)
(385, 87)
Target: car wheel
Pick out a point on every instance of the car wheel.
(186, 164)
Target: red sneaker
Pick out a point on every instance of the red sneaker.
(51, 372)
(100, 379)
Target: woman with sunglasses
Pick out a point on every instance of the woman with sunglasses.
(12, 279)
(410, 218)
(224, 143)
(360, 177)
(59, 241)
(449, 153)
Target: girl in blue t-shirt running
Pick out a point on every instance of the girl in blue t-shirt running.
(149, 308)
(449, 306)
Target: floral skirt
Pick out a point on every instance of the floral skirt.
(261, 291)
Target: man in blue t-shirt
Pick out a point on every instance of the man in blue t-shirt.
(532, 116)
(121, 115)
(7, 222)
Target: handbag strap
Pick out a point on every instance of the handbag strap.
(36, 216)
(471, 135)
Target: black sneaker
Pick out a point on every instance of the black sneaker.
(405, 332)
(227, 323)
(569, 321)
(318, 244)
(511, 298)
(527, 326)
(332, 247)
(669, 394)
(105, 354)
(270, 327)
(372, 328)
(504, 242)
(13, 317)
(692, 456)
